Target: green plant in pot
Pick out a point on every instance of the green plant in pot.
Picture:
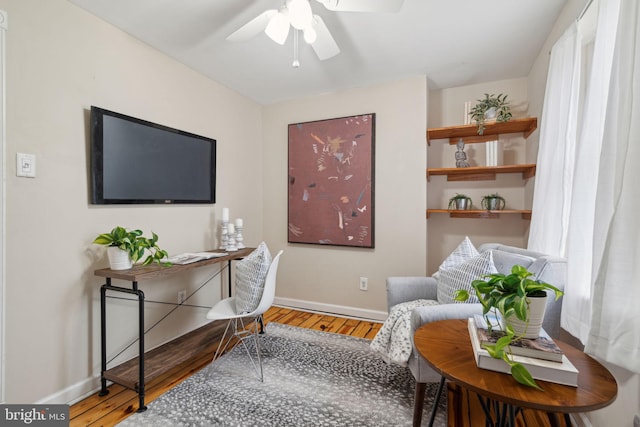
(489, 108)
(510, 297)
(460, 202)
(493, 202)
(134, 245)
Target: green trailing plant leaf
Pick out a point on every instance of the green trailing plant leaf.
(135, 244)
(507, 295)
(522, 375)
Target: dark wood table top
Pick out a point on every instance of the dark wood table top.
(446, 347)
(154, 270)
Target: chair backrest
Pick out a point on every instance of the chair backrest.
(269, 292)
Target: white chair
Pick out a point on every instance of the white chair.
(226, 310)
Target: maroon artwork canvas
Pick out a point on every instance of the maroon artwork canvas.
(331, 181)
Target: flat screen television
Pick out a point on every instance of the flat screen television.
(134, 161)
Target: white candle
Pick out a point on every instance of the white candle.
(225, 214)
(238, 222)
(231, 228)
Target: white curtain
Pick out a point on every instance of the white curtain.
(554, 175)
(596, 172)
(614, 333)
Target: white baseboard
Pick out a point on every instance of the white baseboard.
(74, 393)
(341, 310)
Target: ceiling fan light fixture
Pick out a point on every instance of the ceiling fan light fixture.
(299, 13)
(278, 28)
(310, 35)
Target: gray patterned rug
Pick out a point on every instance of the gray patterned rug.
(311, 378)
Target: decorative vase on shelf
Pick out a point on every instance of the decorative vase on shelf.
(531, 327)
(118, 259)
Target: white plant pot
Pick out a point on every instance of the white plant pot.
(531, 327)
(118, 259)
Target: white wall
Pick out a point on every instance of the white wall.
(60, 61)
(326, 277)
(446, 108)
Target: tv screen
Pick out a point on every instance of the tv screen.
(134, 161)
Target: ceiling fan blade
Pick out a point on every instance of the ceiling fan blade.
(362, 5)
(253, 27)
(324, 46)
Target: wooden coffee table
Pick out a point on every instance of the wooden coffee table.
(446, 347)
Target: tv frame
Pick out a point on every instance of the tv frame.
(96, 163)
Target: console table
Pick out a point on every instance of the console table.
(446, 347)
(127, 374)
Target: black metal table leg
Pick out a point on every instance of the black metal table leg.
(141, 406)
(103, 338)
(434, 409)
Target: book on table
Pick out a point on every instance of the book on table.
(563, 372)
(189, 257)
(542, 347)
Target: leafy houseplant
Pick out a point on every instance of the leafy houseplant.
(134, 244)
(460, 202)
(492, 202)
(506, 296)
(492, 106)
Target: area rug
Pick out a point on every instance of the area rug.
(311, 378)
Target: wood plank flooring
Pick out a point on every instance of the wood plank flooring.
(121, 402)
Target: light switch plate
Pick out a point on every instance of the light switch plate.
(26, 165)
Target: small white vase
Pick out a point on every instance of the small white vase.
(118, 259)
(531, 327)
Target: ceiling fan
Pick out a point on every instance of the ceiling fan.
(298, 14)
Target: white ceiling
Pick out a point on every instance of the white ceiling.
(452, 42)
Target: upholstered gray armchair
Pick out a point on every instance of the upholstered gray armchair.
(402, 289)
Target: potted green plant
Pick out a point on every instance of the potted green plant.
(511, 297)
(125, 247)
(489, 108)
(493, 202)
(460, 202)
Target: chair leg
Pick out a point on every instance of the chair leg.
(418, 403)
(219, 352)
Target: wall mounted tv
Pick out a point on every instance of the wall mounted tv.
(134, 161)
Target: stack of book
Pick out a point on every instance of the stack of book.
(540, 356)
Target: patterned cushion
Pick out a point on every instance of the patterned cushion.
(461, 276)
(250, 277)
(465, 251)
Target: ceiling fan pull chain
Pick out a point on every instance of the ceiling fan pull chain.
(296, 62)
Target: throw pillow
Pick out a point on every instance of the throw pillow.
(461, 276)
(251, 273)
(465, 251)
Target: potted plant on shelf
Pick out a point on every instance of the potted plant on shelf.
(460, 202)
(125, 247)
(490, 108)
(519, 301)
(493, 202)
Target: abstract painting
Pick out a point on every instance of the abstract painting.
(331, 181)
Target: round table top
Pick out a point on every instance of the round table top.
(446, 347)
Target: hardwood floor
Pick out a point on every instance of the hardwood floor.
(122, 402)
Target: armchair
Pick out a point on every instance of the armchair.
(402, 289)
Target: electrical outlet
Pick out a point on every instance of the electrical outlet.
(182, 295)
(364, 284)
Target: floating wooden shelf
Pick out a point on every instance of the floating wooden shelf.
(482, 173)
(473, 213)
(469, 133)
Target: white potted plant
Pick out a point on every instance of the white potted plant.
(491, 107)
(124, 248)
(511, 297)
